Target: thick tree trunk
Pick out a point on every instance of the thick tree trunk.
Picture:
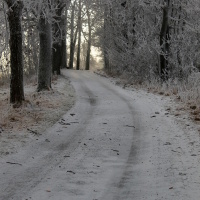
(16, 58)
(164, 43)
(45, 57)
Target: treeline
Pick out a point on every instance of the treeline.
(147, 40)
(21, 44)
(34, 36)
(152, 39)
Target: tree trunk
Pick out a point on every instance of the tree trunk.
(16, 58)
(45, 57)
(87, 67)
(57, 34)
(56, 57)
(64, 42)
(71, 59)
(79, 37)
(64, 53)
(106, 38)
(164, 43)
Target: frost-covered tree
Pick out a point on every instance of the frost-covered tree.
(151, 39)
(59, 34)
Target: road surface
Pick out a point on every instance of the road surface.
(114, 144)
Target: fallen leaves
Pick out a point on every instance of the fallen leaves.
(167, 143)
(69, 171)
(13, 163)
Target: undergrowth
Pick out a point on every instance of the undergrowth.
(185, 90)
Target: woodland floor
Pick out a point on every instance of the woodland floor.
(39, 111)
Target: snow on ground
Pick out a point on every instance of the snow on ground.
(166, 147)
(39, 111)
(177, 146)
(179, 149)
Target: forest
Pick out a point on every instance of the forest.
(150, 42)
(99, 99)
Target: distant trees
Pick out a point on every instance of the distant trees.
(81, 28)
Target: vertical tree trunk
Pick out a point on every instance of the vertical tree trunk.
(71, 59)
(64, 53)
(57, 34)
(79, 37)
(106, 38)
(45, 57)
(16, 58)
(64, 42)
(164, 42)
(87, 67)
(56, 57)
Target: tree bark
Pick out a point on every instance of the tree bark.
(79, 37)
(71, 59)
(164, 43)
(106, 38)
(87, 67)
(16, 57)
(57, 35)
(64, 42)
(45, 57)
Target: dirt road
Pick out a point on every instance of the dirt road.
(113, 145)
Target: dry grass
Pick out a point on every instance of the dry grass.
(38, 112)
(39, 109)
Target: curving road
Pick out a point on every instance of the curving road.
(106, 148)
